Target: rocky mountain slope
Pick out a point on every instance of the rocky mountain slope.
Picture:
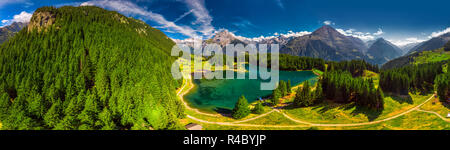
(382, 51)
(10, 30)
(326, 43)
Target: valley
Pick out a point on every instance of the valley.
(89, 68)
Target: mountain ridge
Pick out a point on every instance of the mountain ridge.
(9, 31)
(382, 51)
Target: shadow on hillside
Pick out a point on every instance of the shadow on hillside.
(371, 114)
(401, 98)
(326, 106)
(446, 104)
(223, 111)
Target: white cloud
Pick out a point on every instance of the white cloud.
(439, 33)
(23, 17)
(128, 8)
(275, 35)
(406, 41)
(379, 32)
(327, 22)
(363, 36)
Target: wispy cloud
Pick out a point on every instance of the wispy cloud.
(184, 15)
(8, 2)
(327, 22)
(204, 19)
(275, 35)
(363, 36)
(379, 32)
(129, 8)
(280, 3)
(406, 41)
(243, 23)
(439, 33)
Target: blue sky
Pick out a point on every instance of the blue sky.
(398, 21)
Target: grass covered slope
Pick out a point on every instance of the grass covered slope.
(87, 68)
(418, 58)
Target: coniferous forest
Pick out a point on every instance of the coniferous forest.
(87, 68)
(411, 78)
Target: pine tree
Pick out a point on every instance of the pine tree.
(276, 95)
(259, 109)
(241, 108)
(298, 100)
(306, 93)
(289, 87)
(303, 96)
(283, 88)
(318, 93)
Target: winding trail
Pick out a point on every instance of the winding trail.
(432, 112)
(181, 94)
(363, 123)
(304, 123)
(262, 115)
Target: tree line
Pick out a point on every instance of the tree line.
(355, 67)
(411, 78)
(342, 87)
(442, 86)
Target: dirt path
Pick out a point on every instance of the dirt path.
(306, 124)
(262, 115)
(364, 123)
(432, 112)
(181, 94)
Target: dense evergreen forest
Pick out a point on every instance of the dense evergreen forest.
(293, 63)
(442, 86)
(411, 78)
(340, 86)
(87, 68)
(355, 67)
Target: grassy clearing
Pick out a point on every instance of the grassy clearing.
(375, 77)
(274, 118)
(418, 121)
(432, 56)
(221, 118)
(317, 72)
(219, 127)
(436, 106)
(330, 112)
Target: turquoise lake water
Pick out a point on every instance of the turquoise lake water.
(215, 95)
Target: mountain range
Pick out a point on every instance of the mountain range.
(9, 31)
(432, 44)
(326, 43)
(329, 44)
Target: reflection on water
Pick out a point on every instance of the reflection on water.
(224, 93)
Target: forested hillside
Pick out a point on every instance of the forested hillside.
(419, 58)
(87, 68)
